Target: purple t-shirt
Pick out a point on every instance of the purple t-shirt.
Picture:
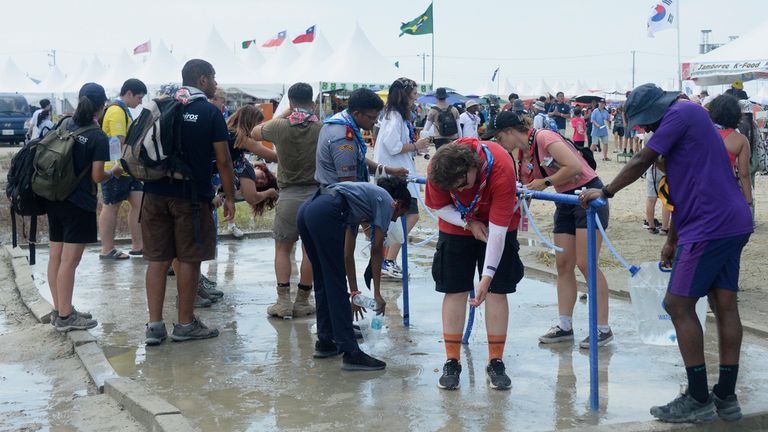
(708, 202)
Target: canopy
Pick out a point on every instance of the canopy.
(306, 68)
(745, 59)
(358, 61)
(123, 69)
(277, 68)
(52, 81)
(229, 68)
(161, 68)
(13, 80)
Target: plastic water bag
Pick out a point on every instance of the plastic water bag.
(647, 289)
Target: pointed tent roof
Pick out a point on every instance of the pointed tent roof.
(358, 61)
(542, 89)
(576, 89)
(73, 78)
(277, 68)
(120, 71)
(306, 67)
(161, 68)
(52, 81)
(254, 59)
(229, 68)
(94, 73)
(12, 79)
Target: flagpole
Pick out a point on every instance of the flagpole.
(498, 80)
(679, 70)
(433, 46)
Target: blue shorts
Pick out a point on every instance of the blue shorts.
(116, 190)
(702, 266)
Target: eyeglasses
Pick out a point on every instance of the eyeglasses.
(464, 183)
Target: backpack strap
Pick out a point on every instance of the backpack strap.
(535, 148)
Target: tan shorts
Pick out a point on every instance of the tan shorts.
(291, 198)
(168, 230)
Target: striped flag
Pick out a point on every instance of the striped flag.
(308, 36)
(276, 41)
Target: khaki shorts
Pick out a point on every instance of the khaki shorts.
(291, 198)
(168, 229)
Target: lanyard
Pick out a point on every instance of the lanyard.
(486, 173)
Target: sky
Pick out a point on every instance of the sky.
(554, 40)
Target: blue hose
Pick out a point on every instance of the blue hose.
(632, 269)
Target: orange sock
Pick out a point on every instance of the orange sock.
(452, 345)
(496, 346)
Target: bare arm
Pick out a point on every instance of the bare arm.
(224, 165)
(742, 159)
(98, 174)
(256, 147)
(349, 259)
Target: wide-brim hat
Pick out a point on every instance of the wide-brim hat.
(470, 103)
(647, 104)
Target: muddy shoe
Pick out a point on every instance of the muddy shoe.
(209, 287)
(728, 409)
(55, 314)
(192, 331)
(360, 361)
(155, 333)
(685, 409)
(496, 375)
(451, 373)
(556, 335)
(202, 302)
(74, 321)
(325, 349)
(283, 308)
(301, 305)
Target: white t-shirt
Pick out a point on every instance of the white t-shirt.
(469, 123)
(33, 122)
(43, 129)
(393, 135)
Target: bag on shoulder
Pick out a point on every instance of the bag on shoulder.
(152, 149)
(585, 152)
(55, 178)
(24, 201)
(446, 122)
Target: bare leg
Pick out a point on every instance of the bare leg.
(665, 215)
(602, 283)
(107, 223)
(566, 277)
(283, 261)
(306, 269)
(186, 284)
(496, 314)
(54, 262)
(134, 199)
(394, 249)
(65, 279)
(690, 338)
(454, 312)
(729, 327)
(157, 274)
(650, 211)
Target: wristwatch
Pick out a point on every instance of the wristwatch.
(605, 192)
(548, 182)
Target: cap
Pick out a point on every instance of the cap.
(94, 92)
(470, 103)
(502, 120)
(539, 106)
(738, 85)
(647, 104)
(441, 93)
(518, 106)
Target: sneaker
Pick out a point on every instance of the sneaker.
(728, 409)
(156, 334)
(685, 409)
(325, 349)
(653, 230)
(202, 302)
(496, 376)
(75, 321)
(360, 361)
(357, 331)
(195, 330)
(235, 231)
(450, 378)
(391, 269)
(602, 339)
(55, 314)
(204, 284)
(556, 335)
(207, 282)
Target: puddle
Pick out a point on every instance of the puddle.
(24, 398)
(259, 374)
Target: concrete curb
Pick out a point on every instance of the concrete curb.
(750, 422)
(153, 412)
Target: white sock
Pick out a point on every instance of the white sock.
(604, 328)
(231, 225)
(566, 323)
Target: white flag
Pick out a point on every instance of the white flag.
(663, 17)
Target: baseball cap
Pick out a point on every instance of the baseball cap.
(470, 103)
(738, 85)
(94, 92)
(518, 106)
(502, 120)
(441, 93)
(647, 104)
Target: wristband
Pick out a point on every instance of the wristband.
(605, 192)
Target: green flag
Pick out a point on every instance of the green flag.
(420, 25)
(247, 44)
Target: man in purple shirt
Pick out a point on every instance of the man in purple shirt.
(711, 224)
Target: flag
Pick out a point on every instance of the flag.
(397, 64)
(143, 48)
(247, 44)
(493, 78)
(420, 25)
(308, 36)
(276, 41)
(662, 17)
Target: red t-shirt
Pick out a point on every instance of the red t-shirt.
(497, 202)
(579, 129)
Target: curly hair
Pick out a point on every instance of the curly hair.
(397, 188)
(267, 204)
(450, 164)
(242, 121)
(725, 111)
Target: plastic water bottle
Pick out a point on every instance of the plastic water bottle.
(364, 302)
(114, 148)
(377, 322)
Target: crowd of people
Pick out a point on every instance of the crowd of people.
(327, 190)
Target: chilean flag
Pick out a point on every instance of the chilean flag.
(276, 41)
(308, 36)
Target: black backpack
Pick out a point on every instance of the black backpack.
(18, 189)
(446, 122)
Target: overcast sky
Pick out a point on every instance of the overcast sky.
(557, 40)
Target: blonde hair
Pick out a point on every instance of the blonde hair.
(243, 121)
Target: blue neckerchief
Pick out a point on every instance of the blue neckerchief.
(483, 181)
(343, 118)
(411, 131)
(124, 107)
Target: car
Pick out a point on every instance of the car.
(15, 115)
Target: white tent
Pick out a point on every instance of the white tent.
(161, 68)
(576, 89)
(278, 67)
(12, 79)
(254, 59)
(358, 61)
(745, 58)
(541, 89)
(229, 68)
(52, 81)
(94, 73)
(306, 67)
(123, 69)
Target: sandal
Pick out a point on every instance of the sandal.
(664, 231)
(115, 255)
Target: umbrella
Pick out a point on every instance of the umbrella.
(588, 98)
(453, 98)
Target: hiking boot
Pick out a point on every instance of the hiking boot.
(496, 376)
(283, 308)
(74, 321)
(192, 331)
(55, 314)
(391, 269)
(450, 378)
(235, 231)
(728, 409)
(325, 349)
(209, 287)
(155, 334)
(602, 339)
(556, 335)
(360, 361)
(301, 305)
(201, 302)
(685, 409)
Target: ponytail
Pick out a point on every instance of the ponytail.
(85, 112)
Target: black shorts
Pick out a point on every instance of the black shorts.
(569, 218)
(619, 130)
(458, 257)
(68, 223)
(413, 207)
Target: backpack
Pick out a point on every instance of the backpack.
(585, 152)
(55, 178)
(446, 122)
(152, 149)
(24, 201)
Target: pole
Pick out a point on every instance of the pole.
(406, 311)
(433, 45)
(470, 321)
(498, 80)
(679, 71)
(633, 68)
(594, 391)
